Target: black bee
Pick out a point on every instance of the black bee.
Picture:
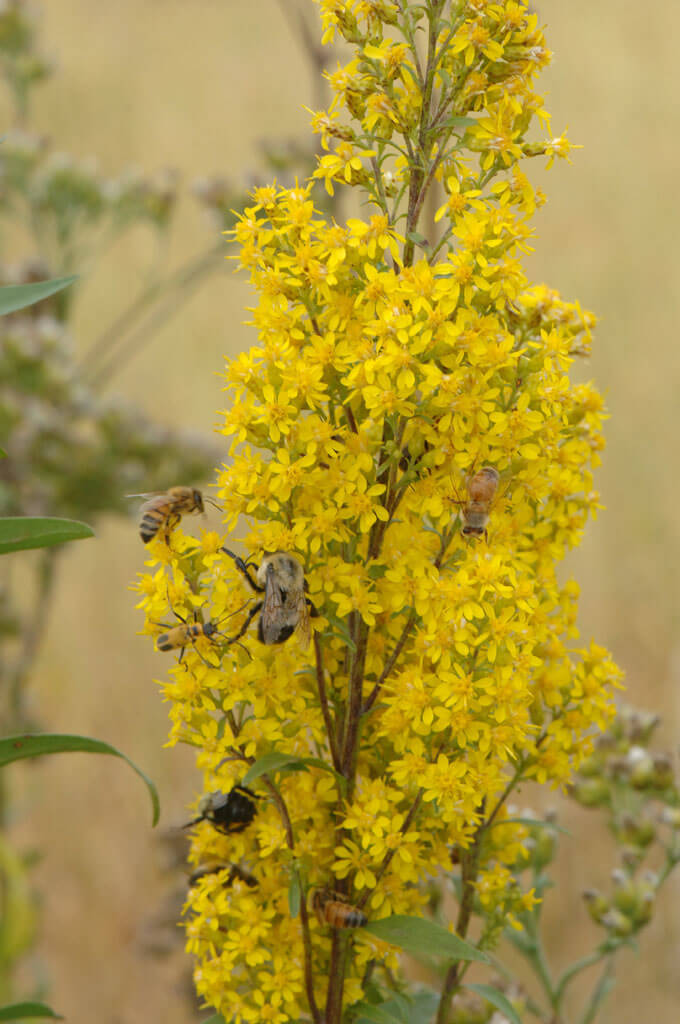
(214, 868)
(227, 812)
(285, 607)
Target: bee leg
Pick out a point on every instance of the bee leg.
(173, 520)
(249, 618)
(313, 610)
(248, 792)
(243, 568)
(235, 826)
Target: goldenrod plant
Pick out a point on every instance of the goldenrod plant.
(405, 432)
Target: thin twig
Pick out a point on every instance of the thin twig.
(125, 320)
(32, 634)
(390, 663)
(354, 710)
(350, 419)
(387, 859)
(319, 56)
(163, 311)
(323, 700)
(304, 917)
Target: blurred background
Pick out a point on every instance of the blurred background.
(196, 87)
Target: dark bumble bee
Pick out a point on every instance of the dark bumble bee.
(235, 874)
(227, 812)
(285, 607)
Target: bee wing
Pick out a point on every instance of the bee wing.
(145, 494)
(304, 626)
(271, 614)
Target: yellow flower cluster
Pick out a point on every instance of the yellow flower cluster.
(443, 664)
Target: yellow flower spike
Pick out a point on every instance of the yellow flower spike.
(390, 370)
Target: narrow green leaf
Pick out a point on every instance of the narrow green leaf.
(14, 748)
(459, 122)
(24, 1011)
(18, 296)
(216, 1018)
(340, 629)
(497, 999)
(376, 1015)
(316, 762)
(399, 1010)
(294, 895)
(418, 935)
(418, 239)
(19, 533)
(273, 762)
(3, 453)
(277, 761)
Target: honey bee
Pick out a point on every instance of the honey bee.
(285, 607)
(475, 510)
(215, 867)
(164, 510)
(227, 812)
(331, 910)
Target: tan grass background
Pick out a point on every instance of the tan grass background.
(193, 85)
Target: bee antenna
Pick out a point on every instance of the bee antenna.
(196, 821)
(213, 503)
(229, 615)
(239, 644)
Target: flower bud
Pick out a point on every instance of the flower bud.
(596, 903)
(590, 792)
(617, 923)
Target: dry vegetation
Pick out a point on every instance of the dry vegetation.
(194, 85)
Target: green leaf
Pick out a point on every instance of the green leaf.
(14, 748)
(418, 935)
(459, 122)
(378, 1014)
(18, 296)
(19, 533)
(277, 761)
(497, 999)
(3, 453)
(340, 629)
(294, 895)
(399, 1010)
(418, 239)
(22, 1011)
(273, 762)
(216, 1018)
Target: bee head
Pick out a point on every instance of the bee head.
(209, 801)
(198, 500)
(284, 568)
